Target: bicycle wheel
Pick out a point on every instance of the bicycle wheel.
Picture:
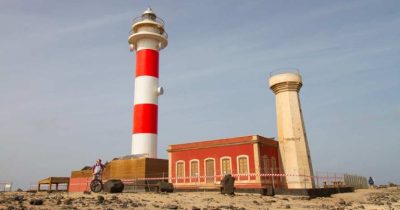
(96, 185)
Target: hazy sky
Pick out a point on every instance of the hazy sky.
(66, 80)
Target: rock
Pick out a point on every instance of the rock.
(86, 192)
(36, 202)
(19, 190)
(19, 198)
(171, 206)
(342, 202)
(68, 201)
(59, 197)
(86, 168)
(114, 198)
(69, 208)
(100, 199)
(225, 207)
(113, 186)
(10, 208)
(270, 201)
(166, 187)
(287, 206)
(124, 205)
(195, 208)
(58, 202)
(256, 202)
(227, 184)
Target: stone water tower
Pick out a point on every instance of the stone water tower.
(293, 144)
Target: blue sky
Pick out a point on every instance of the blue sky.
(66, 80)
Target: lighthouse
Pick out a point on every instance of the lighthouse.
(147, 38)
(293, 144)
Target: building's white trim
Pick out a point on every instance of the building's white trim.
(257, 165)
(169, 167)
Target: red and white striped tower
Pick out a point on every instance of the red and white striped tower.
(147, 38)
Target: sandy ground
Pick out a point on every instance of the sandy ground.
(388, 198)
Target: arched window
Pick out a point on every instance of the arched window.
(180, 169)
(209, 165)
(243, 165)
(226, 167)
(273, 167)
(275, 170)
(266, 164)
(194, 168)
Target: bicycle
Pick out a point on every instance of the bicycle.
(96, 185)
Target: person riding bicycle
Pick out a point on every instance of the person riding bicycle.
(98, 169)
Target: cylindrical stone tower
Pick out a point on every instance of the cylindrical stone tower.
(293, 145)
(147, 37)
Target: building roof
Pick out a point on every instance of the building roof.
(224, 142)
(55, 180)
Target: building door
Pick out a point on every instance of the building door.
(210, 171)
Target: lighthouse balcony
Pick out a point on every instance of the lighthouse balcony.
(163, 34)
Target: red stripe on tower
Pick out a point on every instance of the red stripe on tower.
(147, 63)
(145, 118)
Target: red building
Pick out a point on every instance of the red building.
(250, 159)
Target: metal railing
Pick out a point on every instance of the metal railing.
(141, 18)
(164, 34)
(6, 186)
(331, 179)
